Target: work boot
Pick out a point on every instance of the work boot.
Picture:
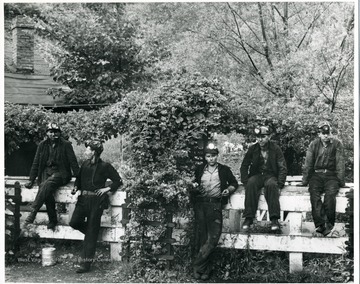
(197, 275)
(321, 229)
(275, 225)
(30, 219)
(328, 229)
(247, 223)
(84, 267)
(52, 225)
(205, 277)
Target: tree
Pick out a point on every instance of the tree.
(93, 49)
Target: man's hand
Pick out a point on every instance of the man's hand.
(225, 192)
(74, 190)
(29, 184)
(101, 191)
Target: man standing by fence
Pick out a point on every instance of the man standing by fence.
(214, 183)
(52, 165)
(263, 166)
(324, 171)
(93, 199)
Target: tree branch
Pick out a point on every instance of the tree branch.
(266, 45)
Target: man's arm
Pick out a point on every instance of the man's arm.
(244, 168)
(340, 163)
(72, 158)
(114, 176)
(34, 168)
(233, 183)
(308, 168)
(281, 163)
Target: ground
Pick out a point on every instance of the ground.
(29, 267)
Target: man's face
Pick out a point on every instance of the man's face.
(89, 153)
(325, 135)
(263, 139)
(53, 134)
(211, 159)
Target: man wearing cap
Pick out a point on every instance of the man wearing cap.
(52, 165)
(213, 185)
(263, 166)
(93, 199)
(324, 172)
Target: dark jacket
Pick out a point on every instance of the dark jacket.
(276, 163)
(225, 175)
(334, 162)
(103, 171)
(67, 160)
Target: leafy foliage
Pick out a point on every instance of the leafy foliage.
(93, 49)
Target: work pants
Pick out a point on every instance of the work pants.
(271, 192)
(321, 211)
(50, 183)
(91, 208)
(208, 227)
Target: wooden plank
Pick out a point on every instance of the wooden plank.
(63, 219)
(68, 233)
(115, 251)
(291, 199)
(64, 195)
(295, 223)
(234, 220)
(284, 243)
(295, 262)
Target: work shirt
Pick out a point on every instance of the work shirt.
(93, 176)
(53, 156)
(329, 157)
(210, 183)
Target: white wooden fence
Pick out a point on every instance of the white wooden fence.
(295, 237)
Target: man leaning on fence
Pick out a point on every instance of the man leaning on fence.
(93, 199)
(263, 166)
(214, 183)
(324, 172)
(52, 165)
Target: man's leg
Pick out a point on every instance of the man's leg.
(316, 188)
(77, 221)
(91, 234)
(49, 187)
(45, 192)
(252, 194)
(331, 189)
(271, 191)
(213, 221)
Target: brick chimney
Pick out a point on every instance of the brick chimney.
(23, 32)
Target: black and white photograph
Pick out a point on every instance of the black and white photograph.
(180, 142)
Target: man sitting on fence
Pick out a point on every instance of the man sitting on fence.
(263, 166)
(52, 165)
(93, 199)
(214, 183)
(324, 171)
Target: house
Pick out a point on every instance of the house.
(27, 75)
(27, 80)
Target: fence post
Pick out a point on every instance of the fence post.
(17, 188)
(295, 258)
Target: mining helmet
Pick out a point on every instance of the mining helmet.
(95, 145)
(211, 149)
(324, 127)
(53, 126)
(262, 130)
